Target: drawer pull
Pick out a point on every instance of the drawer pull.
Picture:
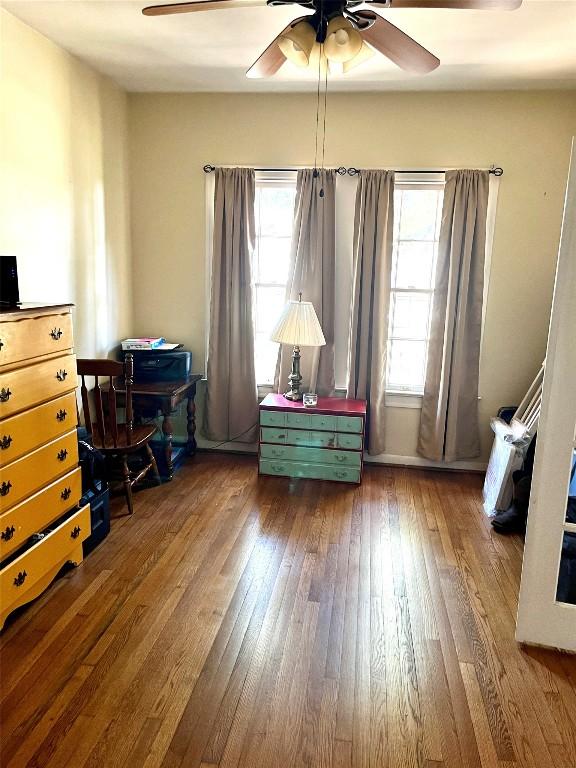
(277, 452)
(341, 474)
(278, 467)
(61, 415)
(8, 533)
(5, 488)
(4, 395)
(5, 442)
(66, 493)
(61, 455)
(20, 579)
(1, 344)
(56, 333)
(61, 375)
(340, 458)
(75, 532)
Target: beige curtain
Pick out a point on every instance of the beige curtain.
(449, 419)
(373, 237)
(312, 272)
(232, 401)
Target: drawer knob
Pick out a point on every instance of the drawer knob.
(278, 467)
(340, 458)
(1, 344)
(8, 533)
(20, 579)
(61, 375)
(75, 532)
(61, 415)
(56, 333)
(61, 455)
(5, 442)
(4, 395)
(66, 493)
(5, 488)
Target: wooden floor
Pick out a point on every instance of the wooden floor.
(237, 621)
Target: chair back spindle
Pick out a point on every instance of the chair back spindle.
(128, 382)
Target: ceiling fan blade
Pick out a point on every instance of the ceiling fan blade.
(399, 47)
(479, 5)
(270, 60)
(200, 5)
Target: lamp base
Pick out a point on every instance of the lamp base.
(293, 395)
(295, 378)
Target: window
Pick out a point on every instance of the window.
(274, 214)
(417, 214)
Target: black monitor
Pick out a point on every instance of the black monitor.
(9, 294)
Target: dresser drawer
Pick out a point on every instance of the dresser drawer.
(349, 424)
(311, 455)
(271, 435)
(26, 576)
(23, 433)
(348, 441)
(34, 336)
(34, 384)
(311, 438)
(37, 512)
(283, 468)
(273, 418)
(24, 476)
(310, 421)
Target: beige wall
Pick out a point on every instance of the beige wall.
(64, 184)
(173, 135)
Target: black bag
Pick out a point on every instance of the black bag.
(91, 462)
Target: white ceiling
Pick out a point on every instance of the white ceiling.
(533, 47)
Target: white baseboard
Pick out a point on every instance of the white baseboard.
(418, 461)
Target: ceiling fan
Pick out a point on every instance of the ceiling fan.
(343, 32)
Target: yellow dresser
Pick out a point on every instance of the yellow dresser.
(41, 527)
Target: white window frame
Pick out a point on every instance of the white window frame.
(410, 397)
(270, 179)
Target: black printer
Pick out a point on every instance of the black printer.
(160, 365)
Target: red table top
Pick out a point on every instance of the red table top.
(336, 406)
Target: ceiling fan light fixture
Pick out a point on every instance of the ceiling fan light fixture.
(365, 53)
(343, 42)
(297, 43)
(335, 67)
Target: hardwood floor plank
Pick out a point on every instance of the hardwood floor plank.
(250, 622)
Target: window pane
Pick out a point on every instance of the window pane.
(414, 264)
(406, 360)
(265, 354)
(409, 315)
(418, 214)
(273, 258)
(269, 305)
(274, 210)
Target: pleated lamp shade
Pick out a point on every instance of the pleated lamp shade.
(298, 325)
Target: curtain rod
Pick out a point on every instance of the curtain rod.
(496, 170)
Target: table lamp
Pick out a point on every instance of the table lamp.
(298, 325)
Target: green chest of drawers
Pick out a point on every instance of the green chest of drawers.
(322, 443)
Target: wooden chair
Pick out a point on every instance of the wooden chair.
(115, 440)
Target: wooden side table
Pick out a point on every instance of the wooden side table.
(164, 397)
